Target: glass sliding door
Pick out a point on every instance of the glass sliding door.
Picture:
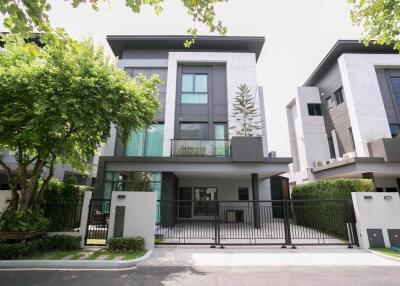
(146, 142)
(204, 198)
(220, 136)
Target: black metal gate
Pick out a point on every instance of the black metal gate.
(284, 222)
(97, 224)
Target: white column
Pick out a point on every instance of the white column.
(84, 215)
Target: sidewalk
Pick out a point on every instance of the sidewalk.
(264, 256)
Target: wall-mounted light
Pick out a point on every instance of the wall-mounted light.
(387, 197)
(367, 197)
(121, 197)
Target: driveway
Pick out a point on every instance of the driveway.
(171, 266)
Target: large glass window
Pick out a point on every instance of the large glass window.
(396, 88)
(329, 102)
(352, 138)
(220, 136)
(194, 88)
(146, 142)
(331, 147)
(395, 130)
(194, 131)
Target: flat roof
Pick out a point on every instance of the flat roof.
(342, 47)
(170, 42)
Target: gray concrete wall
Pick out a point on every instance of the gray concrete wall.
(337, 118)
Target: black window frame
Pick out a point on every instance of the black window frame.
(314, 109)
(331, 145)
(353, 143)
(247, 195)
(398, 128)
(339, 96)
(194, 123)
(194, 87)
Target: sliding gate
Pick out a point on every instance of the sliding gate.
(285, 222)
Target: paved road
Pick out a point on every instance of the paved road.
(210, 276)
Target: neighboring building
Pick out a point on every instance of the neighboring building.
(191, 152)
(343, 120)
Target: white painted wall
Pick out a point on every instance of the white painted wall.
(307, 134)
(374, 213)
(5, 196)
(84, 215)
(363, 96)
(140, 215)
(240, 69)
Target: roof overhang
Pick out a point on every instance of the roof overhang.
(342, 47)
(355, 167)
(217, 166)
(118, 43)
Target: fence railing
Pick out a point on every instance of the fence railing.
(200, 148)
(285, 222)
(63, 217)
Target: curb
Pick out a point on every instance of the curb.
(72, 264)
(384, 255)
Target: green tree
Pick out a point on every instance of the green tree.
(380, 20)
(245, 115)
(23, 16)
(58, 103)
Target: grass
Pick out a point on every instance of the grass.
(91, 255)
(388, 251)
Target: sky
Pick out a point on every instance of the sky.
(298, 33)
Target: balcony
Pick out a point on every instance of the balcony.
(199, 148)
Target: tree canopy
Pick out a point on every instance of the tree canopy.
(24, 16)
(380, 20)
(58, 103)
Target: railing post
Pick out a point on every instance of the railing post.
(216, 234)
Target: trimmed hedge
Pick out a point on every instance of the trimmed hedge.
(329, 217)
(331, 189)
(126, 243)
(37, 246)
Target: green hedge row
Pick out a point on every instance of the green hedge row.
(40, 245)
(126, 243)
(329, 217)
(331, 189)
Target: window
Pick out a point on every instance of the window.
(329, 103)
(194, 89)
(352, 138)
(339, 96)
(314, 109)
(243, 194)
(331, 147)
(396, 88)
(146, 142)
(193, 131)
(394, 130)
(221, 146)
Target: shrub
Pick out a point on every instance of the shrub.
(126, 243)
(331, 189)
(37, 246)
(65, 242)
(27, 220)
(325, 214)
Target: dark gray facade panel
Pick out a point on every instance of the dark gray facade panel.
(216, 109)
(375, 237)
(394, 237)
(247, 149)
(119, 221)
(169, 194)
(386, 148)
(389, 100)
(336, 118)
(144, 54)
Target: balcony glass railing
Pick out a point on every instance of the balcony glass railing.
(200, 148)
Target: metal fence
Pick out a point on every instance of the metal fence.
(256, 222)
(98, 219)
(63, 217)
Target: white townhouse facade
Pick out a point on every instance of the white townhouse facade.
(344, 122)
(191, 152)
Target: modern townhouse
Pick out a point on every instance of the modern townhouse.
(191, 153)
(344, 120)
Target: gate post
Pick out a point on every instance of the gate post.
(353, 239)
(286, 223)
(84, 216)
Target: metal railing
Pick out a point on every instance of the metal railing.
(200, 148)
(63, 217)
(277, 222)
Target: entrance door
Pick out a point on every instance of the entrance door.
(204, 202)
(185, 202)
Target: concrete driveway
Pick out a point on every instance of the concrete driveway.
(171, 266)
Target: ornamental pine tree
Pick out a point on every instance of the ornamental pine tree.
(245, 114)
